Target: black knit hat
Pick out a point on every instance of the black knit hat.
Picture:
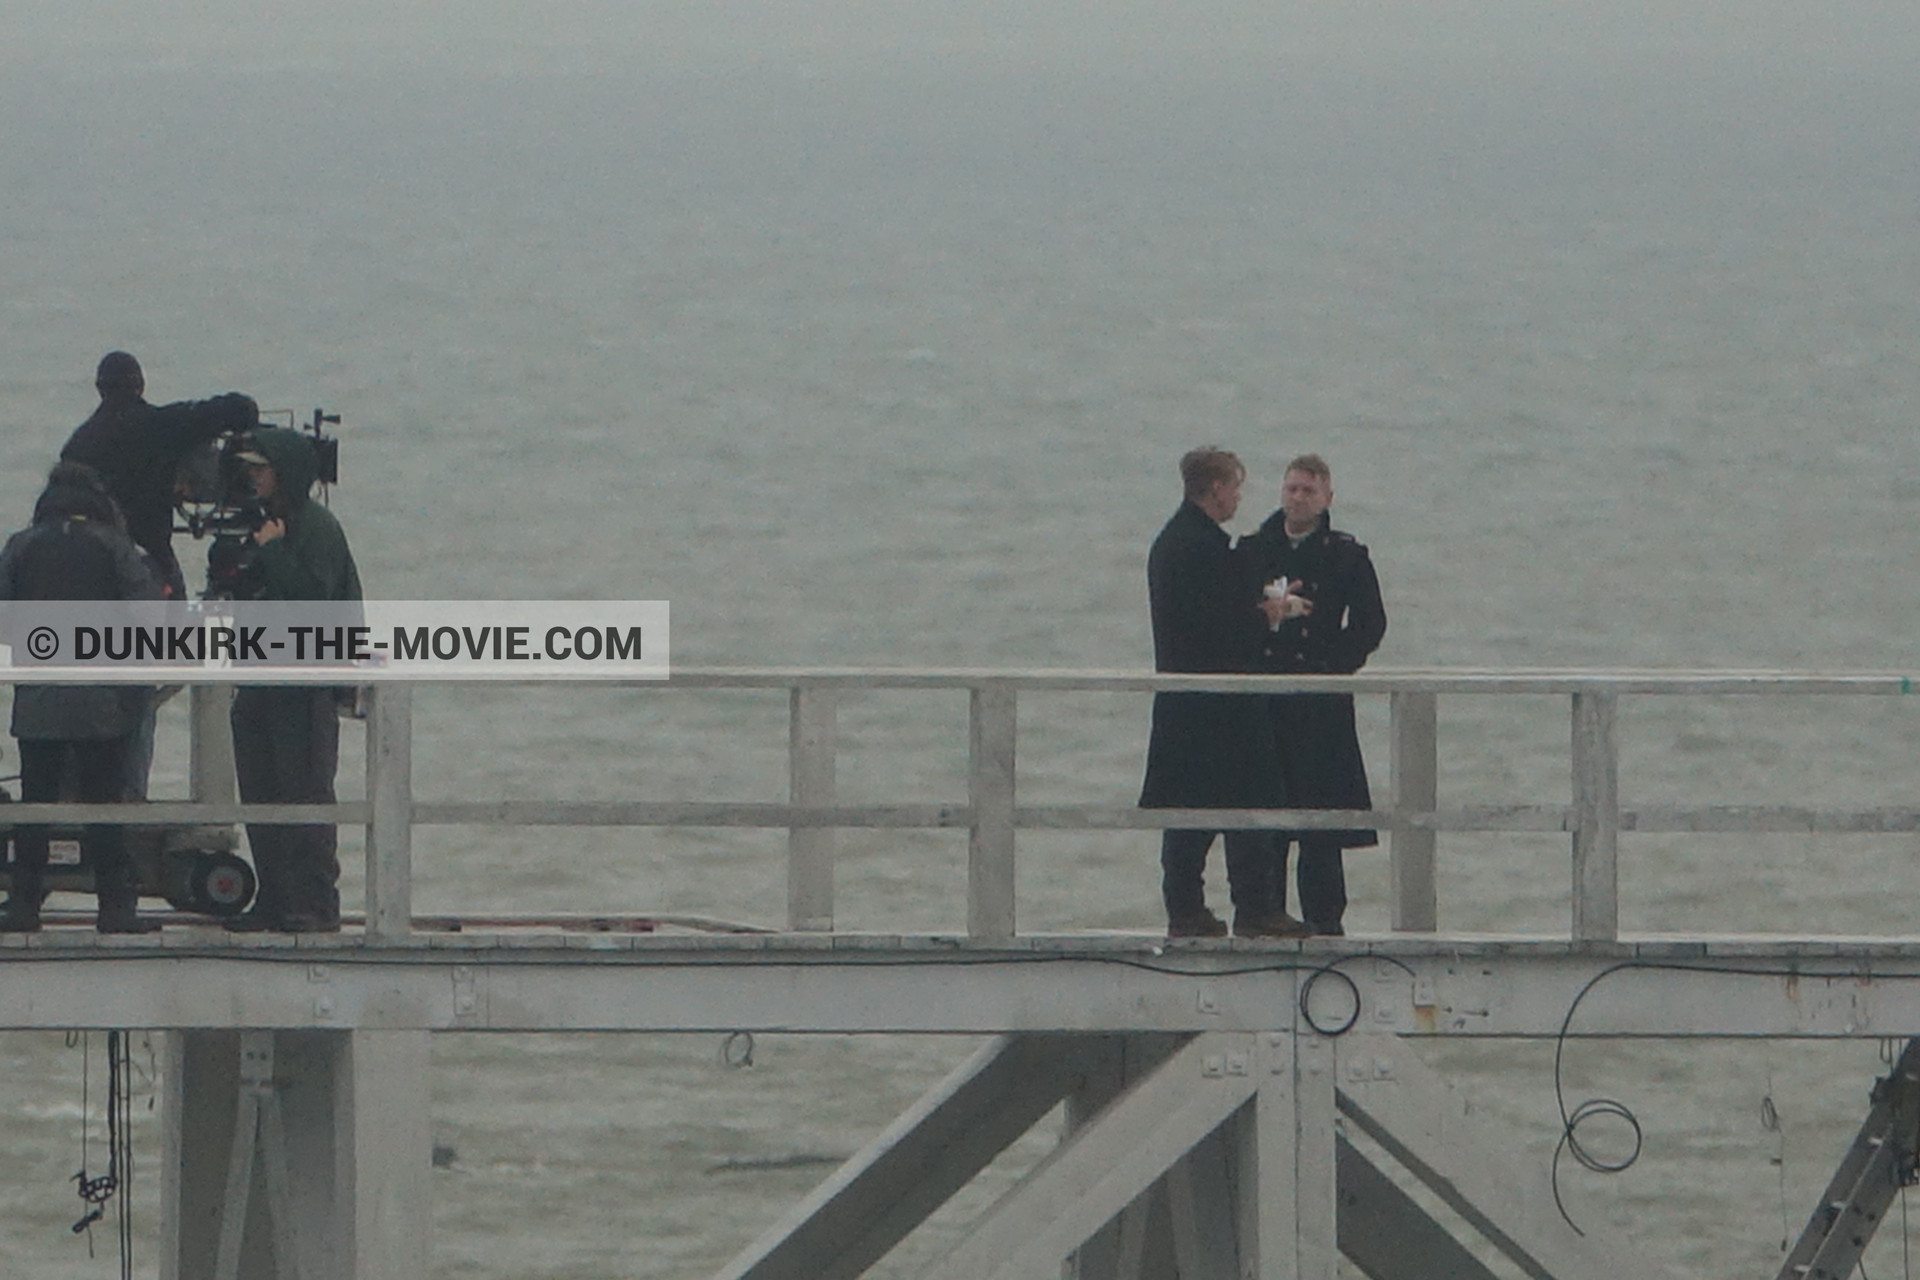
(119, 371)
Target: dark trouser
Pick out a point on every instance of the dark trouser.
(1323, 879)
(286, 747)
(139, 756)
(98, 767)
(1183, 862)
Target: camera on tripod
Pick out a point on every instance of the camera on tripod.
(214, 499)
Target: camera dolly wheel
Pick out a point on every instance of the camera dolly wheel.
(219, 884)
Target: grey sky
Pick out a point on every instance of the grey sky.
(1760, 34)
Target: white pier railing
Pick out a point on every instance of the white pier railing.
(992, 816)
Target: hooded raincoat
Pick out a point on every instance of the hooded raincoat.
(286, 739)
(75, 550)
(311, 560)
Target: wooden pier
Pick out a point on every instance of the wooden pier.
(1215, 1089)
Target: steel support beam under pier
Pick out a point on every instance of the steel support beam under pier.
(1221, 1161)
(954, 1131)
(1119, 1250)
(1398, 1101)
(1102, 1168)
(840, 985)
(295, 1155)
(1386, 1233)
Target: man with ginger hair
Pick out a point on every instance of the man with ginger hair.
(1342, 624)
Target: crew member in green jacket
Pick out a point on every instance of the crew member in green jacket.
(286, 738)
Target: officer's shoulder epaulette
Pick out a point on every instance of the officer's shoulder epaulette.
(1345, 545)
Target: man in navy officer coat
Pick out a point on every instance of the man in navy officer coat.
(1314, 732)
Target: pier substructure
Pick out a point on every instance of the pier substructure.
(1233, 1109)
(1211, 1157)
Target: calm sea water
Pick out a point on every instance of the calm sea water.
(893, 368)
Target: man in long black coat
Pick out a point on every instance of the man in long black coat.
(1210, 750)
(1314, 732)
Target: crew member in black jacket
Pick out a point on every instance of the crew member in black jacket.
(1314, 732)
(138, 447)
(1210, 750)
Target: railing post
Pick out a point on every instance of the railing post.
(812, 740)
(1596, 819)
(990, 773)
(210, 744)
(1416, 790)
(390, 804)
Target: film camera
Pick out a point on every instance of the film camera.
(214, 499)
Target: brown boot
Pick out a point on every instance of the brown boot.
(1268, 924)
(1199, 924)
